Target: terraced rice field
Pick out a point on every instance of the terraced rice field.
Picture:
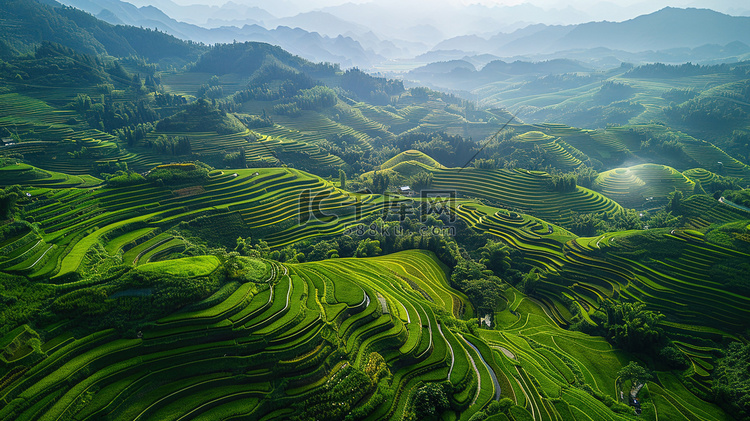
(523, 191)
(411, 155)
(44, 131)
(559, 361)
(598, 144)
(136, 222)
(634, 186)
(24, 174)
(317, 321)
(101, 147)
(395, 123)
(398, 304)
(269, 203)
(311, 127)
(706, 154)
(681, 286)
(17, 109)
(700, 174)
(558, 150)
(354, 117)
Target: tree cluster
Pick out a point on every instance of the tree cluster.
(171, 145)
(613, 91)
(450, 150)
(562, 183)
(376, 90)
(731, 380)
(707, 113)
(175, 174)
(201, 116)
(9, 198)
(108, 114)
(661, 70)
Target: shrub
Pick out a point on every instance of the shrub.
(173, 174)
(122, 178)
(430, 401)
(673, 357)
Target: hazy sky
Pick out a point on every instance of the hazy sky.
(633, 7)
(542, 3)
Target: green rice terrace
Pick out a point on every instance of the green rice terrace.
(634, 185)
(136, 220)
(279, 340)
(392, 322)
(520, 190)
(231, 232)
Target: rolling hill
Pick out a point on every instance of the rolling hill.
(197, 237)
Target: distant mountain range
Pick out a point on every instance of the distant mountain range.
(310, 45)
(668, 28)
(352, 34)
(26, 23)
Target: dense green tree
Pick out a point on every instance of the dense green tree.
(484, 293)
(420, 181)
(627, 219)
(664, 219)
(380, 182)
(171, 145)
(236, 159)
(675, 202)
(562, 183)
(740, 197)
(485, 164)
(636, 374)
(588, 224)
(368, 248)
(673, 357)
(430, 401)
(495, 257)
(342, 179)
(731, 380)
(530, 282)
(9, 201)
(464, 270)
(377, 90)
(322, 250)
(448, 149)
(585, 176)
(613, 91)
(82, 103)
(630, 326)
(501, 406)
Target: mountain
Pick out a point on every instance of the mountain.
(463, 75)
(200, 241)
(313, 46)
(200, 14)
(320, 22)
(246, 58)
(26, 23)
(668, 28)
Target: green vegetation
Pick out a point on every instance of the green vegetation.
(731, 382)
(221, 233)
(201, 117)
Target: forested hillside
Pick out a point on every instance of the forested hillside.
(234, 232)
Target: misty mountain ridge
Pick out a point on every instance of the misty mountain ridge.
(463, 75)
(27, 23)
(665, 29)
(313, 46)
(327, 35)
